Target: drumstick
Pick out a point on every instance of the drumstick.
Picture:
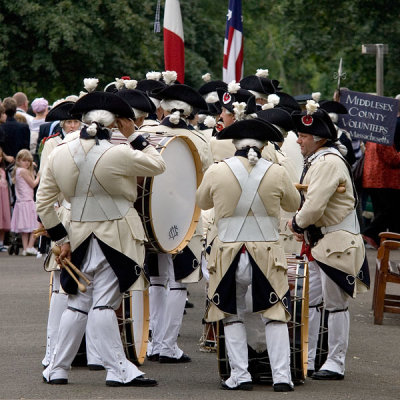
(81, 286)
(57, 251)
(39, 232)
(340, 189)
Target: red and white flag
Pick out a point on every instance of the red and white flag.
(174, 48)
(233, 45)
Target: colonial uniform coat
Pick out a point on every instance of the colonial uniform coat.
(221, 190)
(121, 239)
(340, 253)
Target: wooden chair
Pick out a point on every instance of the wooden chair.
(386, 272)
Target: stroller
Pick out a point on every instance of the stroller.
(14, 239)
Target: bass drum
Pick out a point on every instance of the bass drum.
(167, 202)
(133, 320)
(259, 366)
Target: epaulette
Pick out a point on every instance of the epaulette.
(49, 137)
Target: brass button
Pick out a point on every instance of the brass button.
(353, 242)
(348, 253)
(328, 250)
(268, 248)
(285, 239)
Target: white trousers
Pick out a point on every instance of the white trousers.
(314, 317)
(276, 335)
(167, 304)
(104, 292)
(336, 301)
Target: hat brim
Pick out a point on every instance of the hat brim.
(137, 99)
(331, 106)
(62, 112)
(103, 101)
(279, 117)
(251, 129)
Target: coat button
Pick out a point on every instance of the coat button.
(353, 242)
(328, 250)
(268, 248)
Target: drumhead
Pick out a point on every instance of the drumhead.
(171, 203)
(133, 320)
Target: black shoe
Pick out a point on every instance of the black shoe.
(60, 381)
(325, 375)
(189, 304)
(282, 387)
(139, 381)
(95, 367)
(172, 360)
(310, 373)
(242, 386)
(153, 357)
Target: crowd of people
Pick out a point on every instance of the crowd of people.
(254, 142)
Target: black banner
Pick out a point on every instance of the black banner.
(370, 118)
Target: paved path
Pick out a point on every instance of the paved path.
(373, 361)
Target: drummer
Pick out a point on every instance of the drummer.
(246, 250)
(328, 222)
(167, 294)
(106, 241)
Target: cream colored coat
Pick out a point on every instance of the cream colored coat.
(221, 190)
(117, 171)
(324, 206)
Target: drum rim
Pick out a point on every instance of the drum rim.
(196, 214)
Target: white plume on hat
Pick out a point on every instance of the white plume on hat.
(130, 84)
(119, 83)
(90, 84)
(334, 117)
(239, 110)
(209, 121)
(316, 96)
(262, 73)
(211, 97)
(72, 97)
(233, 87)
(206, 77)
(273, 100)
(311, 107)
(169, 77)
(153, 76)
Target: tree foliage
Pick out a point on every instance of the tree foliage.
(48, 47)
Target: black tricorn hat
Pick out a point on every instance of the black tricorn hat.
(147, 85)
(319, 124)
(331, 106)
(103, 101)
(61, 112)
(258, 84)
(226, 100)
(287, 102)
(279, 117)
(254, 128)
(137, 99)
(212, 109)
(212, 86)
(180, 92)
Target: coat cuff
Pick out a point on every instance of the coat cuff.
(296, 228)
(57, 232)
(139, 143)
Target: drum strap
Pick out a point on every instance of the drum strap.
(335, 311)
(232, 323)
(91, 202)
(77, 310)
(241, 227)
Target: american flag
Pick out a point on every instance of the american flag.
(233, 45)
(174, 47)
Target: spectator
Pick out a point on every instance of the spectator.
(3, 115)
(40, 107)
(14, 135)
(24, 218)
(381, 178)
(22, 106)
(5, 211)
